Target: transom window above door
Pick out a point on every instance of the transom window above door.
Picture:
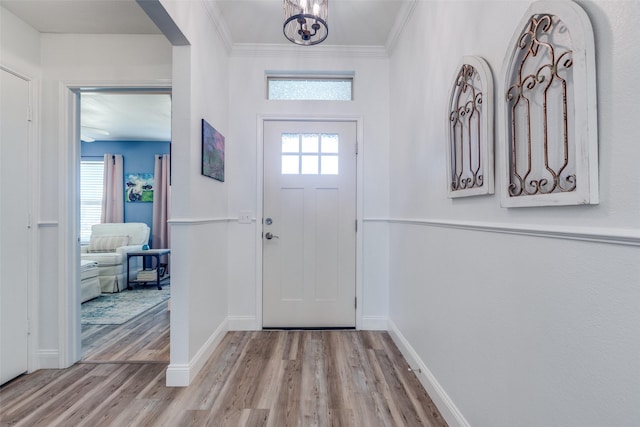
(308, 88)
(309, 154)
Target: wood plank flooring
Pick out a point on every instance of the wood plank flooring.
(262, 378)
(142, 339)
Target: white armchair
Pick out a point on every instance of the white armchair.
(108, 246)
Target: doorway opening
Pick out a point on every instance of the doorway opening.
(125, 319)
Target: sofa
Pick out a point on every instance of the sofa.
(89, 282)
(108, 247)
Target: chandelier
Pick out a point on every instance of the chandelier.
(305, 21)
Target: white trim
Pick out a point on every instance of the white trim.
(242, 323)
(198, 221)
(438, 395)
(178, 375)
(374, 323)
(48, 358)
(68, 238)
(320, 51)
(33, 298)
(259, 215)
(261, 118)
(219, 23)
(181, 375)
(359, 215)
(406, 12)
(614, 236)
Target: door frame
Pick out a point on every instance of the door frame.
(70, 347)
(261, 119)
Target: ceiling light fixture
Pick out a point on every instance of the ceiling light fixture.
(305, 21)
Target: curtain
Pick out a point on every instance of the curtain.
(161, 201)
(113, 189)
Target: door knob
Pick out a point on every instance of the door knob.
(270, 236)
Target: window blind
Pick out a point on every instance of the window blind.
(91, 187)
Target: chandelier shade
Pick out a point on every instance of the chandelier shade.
(305, 21)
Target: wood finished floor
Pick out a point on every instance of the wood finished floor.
(142, 339)
(263, 378)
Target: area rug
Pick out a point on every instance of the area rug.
(118, 308)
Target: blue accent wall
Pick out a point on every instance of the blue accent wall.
(138, 157)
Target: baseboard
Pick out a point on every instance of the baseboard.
(443, 402)
(242, 323)
(181, 375)
(48, 359)
(178, 375)
(374, 323)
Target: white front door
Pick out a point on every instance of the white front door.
(14, 215)
(309, 224)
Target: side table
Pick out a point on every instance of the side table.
(154, 253)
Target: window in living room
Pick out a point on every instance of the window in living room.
(91, 175)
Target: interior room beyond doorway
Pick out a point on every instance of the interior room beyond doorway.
(134, 124)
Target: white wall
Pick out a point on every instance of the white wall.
(199, 209)
(248, 102)
(68, 59)
(516, 329)
(199, 204)
(19, 44)
(51, 61)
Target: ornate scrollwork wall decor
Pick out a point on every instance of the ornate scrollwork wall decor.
(550, 109)
(470, 126)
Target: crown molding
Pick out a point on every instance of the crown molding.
(265, 50)
(219, 23)
(398, 27)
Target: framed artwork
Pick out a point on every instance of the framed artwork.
(212, 152)
(138, 187)
(549, 109)
(470, 129)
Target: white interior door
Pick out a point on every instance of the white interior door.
(14, 215)
(309, 224)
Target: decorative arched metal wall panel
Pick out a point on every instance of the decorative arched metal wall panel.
(549, 109)
(470, 128)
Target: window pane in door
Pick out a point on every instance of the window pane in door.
(290, 143)
(330, 143)
(310, 143)
(290, 164)
(329, 165)
(310, 165)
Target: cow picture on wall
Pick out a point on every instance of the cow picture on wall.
(138, 187)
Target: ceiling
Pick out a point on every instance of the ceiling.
(351, 22)
(126, 116)
(134, 117)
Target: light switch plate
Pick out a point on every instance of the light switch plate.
(244, 217)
